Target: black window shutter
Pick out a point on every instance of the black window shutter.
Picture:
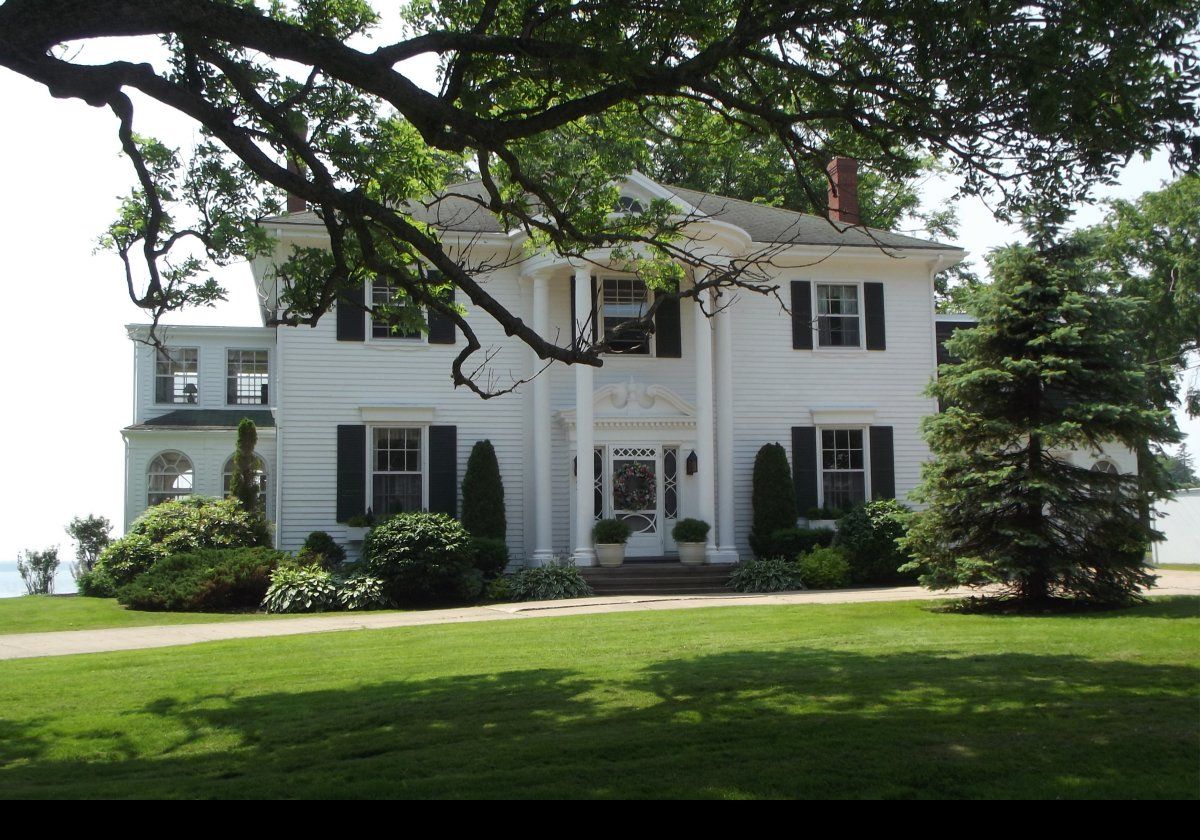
(443, 469)
(873, 306)
(883, 463)
(595, 309)
(351, 324)
(802, 338)
(668, 343)
(804, 466)
(441, 327)
(351, 471)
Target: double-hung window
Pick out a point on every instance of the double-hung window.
(624, 300)
(383, 294)
(246, 377)
(838, 315)
(177, 375)
(397, 470)
(843, 468)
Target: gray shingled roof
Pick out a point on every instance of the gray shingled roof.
(455, 211)
(206, 418)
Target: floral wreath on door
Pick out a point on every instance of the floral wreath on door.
(633, 486)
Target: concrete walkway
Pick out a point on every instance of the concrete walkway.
(26, 645)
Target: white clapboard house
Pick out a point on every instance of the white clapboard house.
(355, 418)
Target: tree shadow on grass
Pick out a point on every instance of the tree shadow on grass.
(802, 723)
(1164, 606)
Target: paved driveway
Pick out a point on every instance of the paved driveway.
(25, 645)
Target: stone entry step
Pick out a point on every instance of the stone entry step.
(657, 578)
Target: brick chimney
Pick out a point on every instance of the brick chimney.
(843, 191)
(295, 204)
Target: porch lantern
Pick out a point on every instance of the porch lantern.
(693, 463)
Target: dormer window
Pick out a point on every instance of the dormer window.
(629, 204)
(177, 375)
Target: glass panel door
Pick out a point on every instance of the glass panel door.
(636, 496)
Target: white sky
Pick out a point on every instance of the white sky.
(66, 374)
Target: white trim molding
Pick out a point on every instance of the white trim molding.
(843, 415)
(383, 414)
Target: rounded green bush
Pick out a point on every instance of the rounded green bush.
(491, 556)
(610, 532)
(321, 548)
(180, 526)
(690, 531)
(867, 536)
(301, 589)
(824, 568)
(213, 580)
(422, 558)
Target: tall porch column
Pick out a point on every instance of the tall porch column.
(704, 422)
(726, 536)
(585, 514)
(543, 507)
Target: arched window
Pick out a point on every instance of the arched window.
(1105, 466)
(260, 476)
(628, 204)
(170, 477)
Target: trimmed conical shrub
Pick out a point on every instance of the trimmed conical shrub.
(483, 494)
(773, 498)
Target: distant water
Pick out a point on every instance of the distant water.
(11, 584)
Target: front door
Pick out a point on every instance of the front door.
(635, 495)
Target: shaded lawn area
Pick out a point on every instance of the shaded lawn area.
(852, 700)
(47, 613)
(1179, 567)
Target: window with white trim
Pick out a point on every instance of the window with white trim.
(384, 294)
(629, 204)
(397, 470)
(843, 468)
(260, 478)
(177, 375)
(170, 476)
(838, 316)
(246, 377)
(623, 300)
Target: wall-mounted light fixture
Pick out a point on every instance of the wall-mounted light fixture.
(693, 463)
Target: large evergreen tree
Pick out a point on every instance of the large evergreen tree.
(1048, 370)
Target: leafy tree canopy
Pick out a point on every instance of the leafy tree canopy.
(546, 101)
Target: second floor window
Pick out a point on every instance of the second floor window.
(837, 315)
(177, 375)
(246, 377)
(384, 294)
(622, 301)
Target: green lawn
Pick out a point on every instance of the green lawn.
(855, 700)
(42, 613)
(1180, 567)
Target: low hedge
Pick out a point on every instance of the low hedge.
(214, 580)
(792, 542)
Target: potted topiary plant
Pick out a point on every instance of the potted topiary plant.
(610, 536)
(690, 534)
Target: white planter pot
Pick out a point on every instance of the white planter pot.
(356, 534)
(610, 555)
(827, 524)
(691, 554)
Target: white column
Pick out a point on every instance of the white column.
(585, 515)
(726, 536)
(543, 492)
(702, 329)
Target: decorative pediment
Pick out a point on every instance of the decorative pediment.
(632, 404)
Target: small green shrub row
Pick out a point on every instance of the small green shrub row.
(212, 580)
(792, 542)
(311, 588)
(552, 582)
(769, 574)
